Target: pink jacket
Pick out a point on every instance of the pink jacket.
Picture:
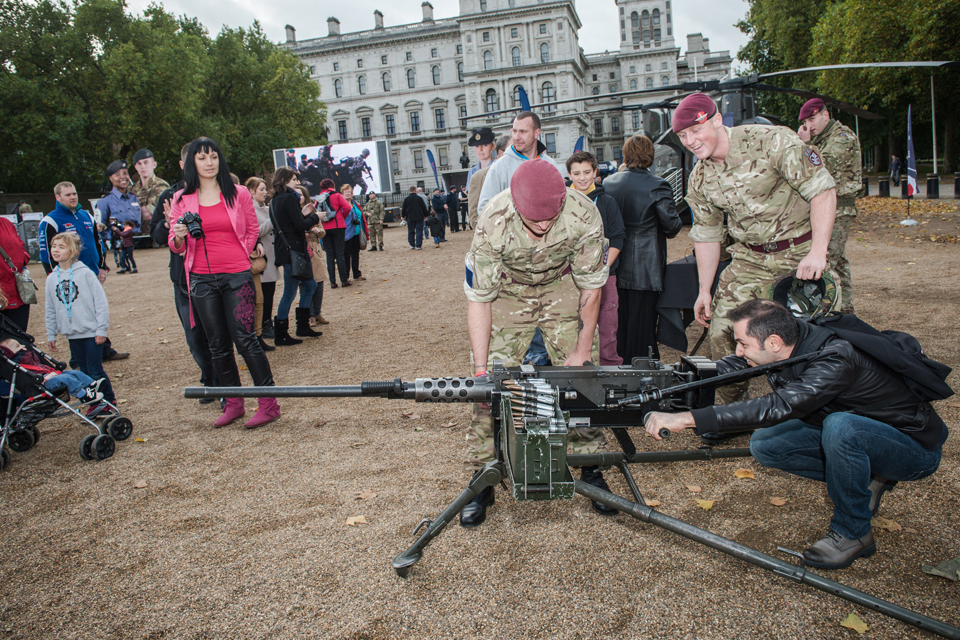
(341, 206)
(242, 215)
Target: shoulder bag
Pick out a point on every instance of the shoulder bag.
(362, 234)
(300, 267)
(25, 284)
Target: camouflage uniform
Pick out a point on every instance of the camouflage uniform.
(148, 194)
(841, 156)
(533, 284)
(374, 212)
(764, 187)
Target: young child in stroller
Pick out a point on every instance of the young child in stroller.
(77, 383)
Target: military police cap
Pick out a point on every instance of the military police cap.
(696, 108)
(811, 108)
(141, 155)
(481, 137)
(115, 166)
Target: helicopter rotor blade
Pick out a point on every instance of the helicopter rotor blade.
(830, 102)
(865, 65)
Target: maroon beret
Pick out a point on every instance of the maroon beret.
(811, 107)
(537, 190)
(696, 108)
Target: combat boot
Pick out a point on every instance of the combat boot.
(475, 512)
(593, 476)
(833, 551)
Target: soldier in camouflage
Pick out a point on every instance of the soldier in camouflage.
(374, 212)
(538, 259)
(840, 150)
(149, 187)
(780, 204)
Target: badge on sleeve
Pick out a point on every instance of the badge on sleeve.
(469, 274)
(812, 156)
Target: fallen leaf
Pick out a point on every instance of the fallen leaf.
(357, 445)
(854, 622)
(355, 520)
(156, 387)
(744, 474)
(411, 415)
(165, 341)
(706, 505)
(419, 429)
(317, 425)
(448, 425)
(949, 569)
(909, 530)
(140, 440)
(694, 488)
(778, 502)
(140, 485)
(129, 334)
(885, 523)
(243, 368)
(911, 263)
(653, 503)
(159, 328)
(121, 401)
(952, 404)
(366, 494)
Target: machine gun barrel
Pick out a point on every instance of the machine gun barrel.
(420, 390)
(717, 381)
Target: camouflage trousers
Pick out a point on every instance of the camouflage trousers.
(750, 275)
(376, 233)
(837, 255)
(517, 313)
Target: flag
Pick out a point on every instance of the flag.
(433, 165)
(579, 146)
(911, 157)
(524, 102)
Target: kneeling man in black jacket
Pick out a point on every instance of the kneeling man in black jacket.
(841, 417)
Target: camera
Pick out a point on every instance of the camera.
(192, 220)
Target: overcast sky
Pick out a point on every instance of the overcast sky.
(713, 18)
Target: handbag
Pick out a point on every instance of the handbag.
(362, 234)
(300, 267)
(258, 265)
(25, 284)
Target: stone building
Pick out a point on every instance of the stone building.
(413, 84)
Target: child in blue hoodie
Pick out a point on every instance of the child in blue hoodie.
(76, 307)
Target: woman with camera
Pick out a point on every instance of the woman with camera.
(336, 211)
(215, 226)
(290, 224)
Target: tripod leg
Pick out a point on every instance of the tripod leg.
(489, 476)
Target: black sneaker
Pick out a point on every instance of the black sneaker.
(92, 392)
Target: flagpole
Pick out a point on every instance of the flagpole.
(911, 169)
(933, 112)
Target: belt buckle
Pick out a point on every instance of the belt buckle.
(771, 247)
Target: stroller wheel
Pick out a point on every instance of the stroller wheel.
(4, 458)
(20, 441)
(102, 447)
(119, 428)
(36, 435)
(85, 452)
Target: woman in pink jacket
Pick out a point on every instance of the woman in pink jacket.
(334, 222)
(217, 248)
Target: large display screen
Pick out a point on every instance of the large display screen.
(364, 165)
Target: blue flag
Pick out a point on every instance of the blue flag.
(579, 146)
(911, 157)
(524, 102)
(433, 165)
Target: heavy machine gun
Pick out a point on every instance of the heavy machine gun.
(534, 409)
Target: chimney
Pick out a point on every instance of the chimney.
(706, 44)
(427, 11)
(291, 34)
(333, 26)
(378, 19)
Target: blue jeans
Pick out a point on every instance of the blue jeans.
(89, 358)
(844, 454)
(76, 382)
(290, 287)
(537, 351)
(415, 233)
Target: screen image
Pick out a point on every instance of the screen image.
(358, 164)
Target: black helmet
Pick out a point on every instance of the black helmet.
(807, 298)
(365, 152)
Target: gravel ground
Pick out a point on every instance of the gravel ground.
(242, 534)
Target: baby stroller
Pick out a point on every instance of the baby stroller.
(25, 401)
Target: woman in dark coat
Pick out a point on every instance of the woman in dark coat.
(649, 217)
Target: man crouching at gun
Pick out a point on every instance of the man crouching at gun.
(841, 417)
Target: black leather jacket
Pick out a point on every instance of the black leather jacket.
(649, 217)
(840, 378)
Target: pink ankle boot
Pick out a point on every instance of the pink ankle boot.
(233, 410)
(267, 411)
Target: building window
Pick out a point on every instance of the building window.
(395, 161)
(656, 35)
(492, 103)
(544, 52)
(636, 37)
(362, 85)
(411, 78)
(633, 84)
(365, 127)
(559, 25)
(313, 70)
(433, 53)
(442, 156)
(550, 141)
(415, 121)
(664, 80)
(635, 20)
(633, 69)
(649, 67)
(615, 124)
(342, 129)
(386, 81)
(618, 155)
(645, 26)
(543, 28)
(417, 159)
(656, 17)
(613, 88)
(648, 83)
(359, 64)
(598, 126)
(459, 49)
(596, 91)
(486, 36)
(663, 65)
(391, 125)
(409, 56)
(460, 71)
(441, 121)
(514, 33)
(548, 97)
(336, 66)
(463, 113)
(516, 95)
(488, 61)
(599, 153)
(515, 54)
(612, 75)
(636, 120)
(435, 71)
(338, 88)
(383, 59)
(483, 5)
(594, 77)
